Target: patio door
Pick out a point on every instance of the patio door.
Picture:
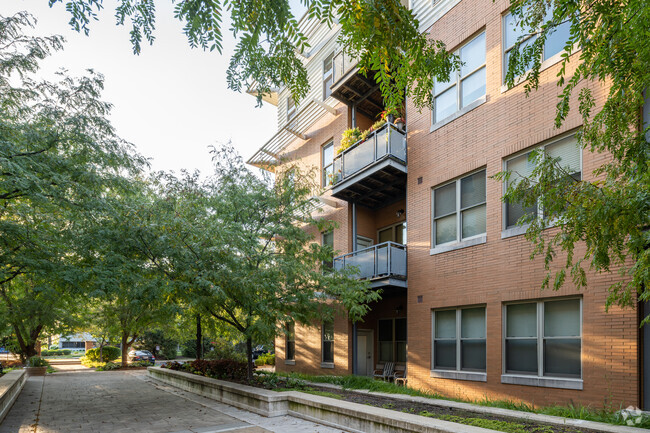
(364, 352)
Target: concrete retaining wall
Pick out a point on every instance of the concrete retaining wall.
(10, 386)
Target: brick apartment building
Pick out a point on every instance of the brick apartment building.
(462, 310)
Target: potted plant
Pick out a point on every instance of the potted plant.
(349, 137)
(36, 366)
(400, 123)
(389, 114)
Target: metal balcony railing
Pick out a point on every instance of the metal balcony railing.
(386, 141)
(343, 64)
(378, 261)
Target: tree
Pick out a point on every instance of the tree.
(235, 245)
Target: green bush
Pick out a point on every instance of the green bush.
(109, 353)
(37, 361)
(66, 352)
(265, 358)
(169, 352)
(224, 349)
(45, 352)
(110, 366)
(53, 347)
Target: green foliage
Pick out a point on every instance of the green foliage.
(109, 353)
(37, 361)
(265, 359)
(216, 369)
(224, 349)
(109, 366)
(151, 339)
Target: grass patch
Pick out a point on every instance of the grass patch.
(322, 393)
(504, 426)
(574, 411)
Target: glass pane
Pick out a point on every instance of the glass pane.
(328, 175)
(291, 350)
(445, 199)
(385, 330)
(291, 331)
(401, 351)
(521, 320)
(445, 104)
(472, 323)
(385, 351)
(513, 31)
(439, 86)
(328, 331)
(386, 235)
(446, 229)
(328, 155)
(472, 189)
(472, 355)
(400, 234)
(562, 318)
(400, 329)
(328, 351)
(474, 221)
(472, 55)
(445, 324)
(328, 239)
(521, 356)
(525, 44)
(568, 152)
(562, 357)
(473, 87)
(556, 40)
(327, 65)
(445, 354)
(514, 211)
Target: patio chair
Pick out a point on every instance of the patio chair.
(400, 378)
(387, 373)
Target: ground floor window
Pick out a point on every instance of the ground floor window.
(459, 339)
(544, 338)
(392, 340)
(73, 345)
(328, 341)
(290, 342)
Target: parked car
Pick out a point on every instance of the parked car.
(141, 355)
(258, 350)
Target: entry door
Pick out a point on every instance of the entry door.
(364, 352)
(363, 242)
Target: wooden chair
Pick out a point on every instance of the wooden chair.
(387, 373)
(400, 378)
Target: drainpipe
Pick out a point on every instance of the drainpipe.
(354, 325)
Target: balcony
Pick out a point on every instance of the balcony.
(384, 265)
(372, 172)
(353, 88)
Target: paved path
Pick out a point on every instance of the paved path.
(129, 402)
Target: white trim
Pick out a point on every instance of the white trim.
(470, 242)
(326, 365)
(289, 362)
(515, 230)
(473, 376)
(546, 382)
(480, 101)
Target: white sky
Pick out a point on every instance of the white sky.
(171, 101)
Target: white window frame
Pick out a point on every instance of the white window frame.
(292, 110)
(540, 379)
(458, 212)
(517, 229)
(458, 83)
(325, 182)
(458, 372)
(327, 74)
(325, 363)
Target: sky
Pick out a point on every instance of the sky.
(171, 101)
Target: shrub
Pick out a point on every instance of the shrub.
(218, 369)
(45, 352)
(110, 366)
(266, 358)
(37, 361)
(169, 352)
(109, 353)
(53, 347)
(224, 349)
(66, 352)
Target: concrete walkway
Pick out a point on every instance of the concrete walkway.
(122, 402)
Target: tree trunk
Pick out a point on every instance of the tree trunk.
(125, 350)
(249, 356)
(199, 338)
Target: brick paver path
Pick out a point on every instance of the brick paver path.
(121, 402)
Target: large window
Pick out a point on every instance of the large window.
(522, 166)
(328, 342)
(291, 108)
(290, 342)
(513, 32)
(392, 340)
(465, 85)
(327, 240)
(459, 339)
(394, 233)
(73, 345)
(328, 76)
(459, 209)
(544, 338)
(327, 152)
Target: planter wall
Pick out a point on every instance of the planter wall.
(10, 386)
(35, 371)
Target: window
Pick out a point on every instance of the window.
(392, 340)
(328, 164)
(465, 85)
(459, 339)
(327, 240)
(291, 108)
(395, 233)
(522, 166)
(328, 76)
(328, 342)
(290, 342)
(513, 32)
(73, 345)
(459, 209)
(544, 338)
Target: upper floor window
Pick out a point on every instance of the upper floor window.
(513, 32)
(544, 338)
(328, 341)
(394, 233)
(459, 339)
(465, 85)
(459, 210)
(522, 167)
(291, 108)
(327, 240)
(328, 76)
(328, 164)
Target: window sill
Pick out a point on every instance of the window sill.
(326, 365)
(289, 362)
(546, 382)
(459, 375)
(545, 65)
(514, 231)
(478, 240)
(480, 101)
